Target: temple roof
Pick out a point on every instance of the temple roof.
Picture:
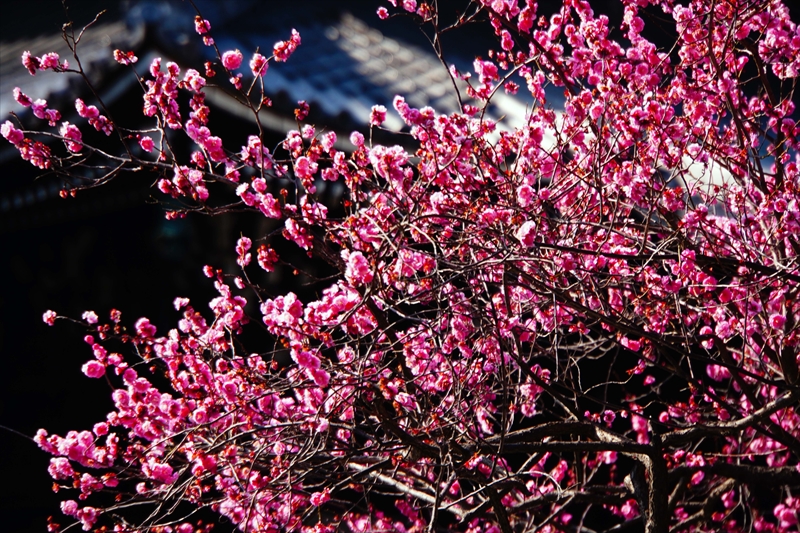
(344, 66)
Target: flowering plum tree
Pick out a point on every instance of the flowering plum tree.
(594, 333)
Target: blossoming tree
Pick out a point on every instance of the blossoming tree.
(594, 333)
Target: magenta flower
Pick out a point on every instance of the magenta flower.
(11, 133)
(201, 25)
(283, 49)
(31, 63)
(69, 507)
(125, 58)
(21, 98)
(194, 80)
(232, 59)
(85, 111)
(72, 137)
(49, 317)
(777, 320)
(49, 61)
(242, 246)
(378, 115)
(90, 317)
(358, 270)
(94, 369)
(258, 65)
(146, 143)
(319, 498)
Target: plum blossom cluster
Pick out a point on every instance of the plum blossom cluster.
(555, 327)
(162, 93)
(48, 61)
(38, 107)
(34, 151)
(96, 120)
(284, 49)
(125, 58)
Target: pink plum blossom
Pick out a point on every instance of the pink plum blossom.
(284, 49)
(475, 300)
(11, 133)
(232, 59)
(242, 246)
(201, 25)
(319, 498)
(378, 115)
(125, 58)
(49, 317)
(30, 62)
(94, 369)
(258, 65)
(146, 143)
(72, 136)
(358, 270)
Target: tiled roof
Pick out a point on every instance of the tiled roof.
(348, 66)
(343, 67)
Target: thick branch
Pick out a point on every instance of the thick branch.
(676, 438)
(765, 476)
(405, 489)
